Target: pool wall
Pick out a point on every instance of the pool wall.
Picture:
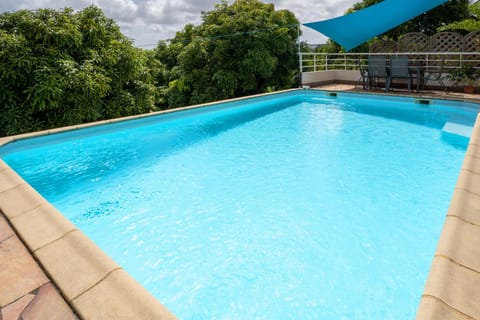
(96, 287)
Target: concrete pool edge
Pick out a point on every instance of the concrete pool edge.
(96, 287)
(452, 289)
(89, 280)
(23, 136)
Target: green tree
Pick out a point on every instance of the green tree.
(243, 48)
(62, 68)
(472, 23)
(330, 47)
(429, 22)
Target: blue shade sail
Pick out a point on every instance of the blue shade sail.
(354, 29)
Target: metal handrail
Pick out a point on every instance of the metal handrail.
(317, 61)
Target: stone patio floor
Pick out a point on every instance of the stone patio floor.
(25, 291)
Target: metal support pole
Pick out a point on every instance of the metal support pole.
(300, 62)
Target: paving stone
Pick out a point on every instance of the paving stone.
(48, 304)
(9, 179)
(473, 150)
(118, 296)
(465, 205)
(433, 309)
(41, 225)
(5, 140)
(15, 309)
(459, 242)
(75, 263)
(14, 202)
(469, 181)
(471, 164)
(455, 285)
(475, 138)
(19, 273)
(5, 230)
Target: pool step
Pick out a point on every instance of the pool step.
(458, 129)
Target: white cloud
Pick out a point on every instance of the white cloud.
(121, 10)
(148, 21)
(168, 12)
(12, 5)
(308, 11)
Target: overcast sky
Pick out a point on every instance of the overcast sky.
(148, 21)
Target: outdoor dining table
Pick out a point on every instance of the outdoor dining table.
(418, 73)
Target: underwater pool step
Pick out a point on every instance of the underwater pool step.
(458, 129)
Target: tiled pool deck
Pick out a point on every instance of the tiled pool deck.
(25, 291)
(41, 251)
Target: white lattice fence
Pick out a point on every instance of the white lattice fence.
(471, 43)
(439, 42)
(414, 42)
(446, 42)
(384, 46)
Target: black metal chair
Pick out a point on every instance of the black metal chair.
(435, 72)
(363, 74)
(399, 69)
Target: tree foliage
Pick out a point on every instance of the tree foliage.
(243, 48)
(62, 68)
(469, 24)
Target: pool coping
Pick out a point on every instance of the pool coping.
(92, 284)
(96, 287)
(452, 289)
(9, 139)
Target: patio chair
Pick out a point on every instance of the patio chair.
(435, 72)
(377, 69)
(399, 70)
(363, 74)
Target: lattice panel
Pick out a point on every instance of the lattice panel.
(446, 42)
(381, 46)
(414, 42)
(471, 42)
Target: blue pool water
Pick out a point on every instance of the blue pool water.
(295, 206)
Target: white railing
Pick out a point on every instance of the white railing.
(315, 61)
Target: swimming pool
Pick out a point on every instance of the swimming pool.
(347, 191)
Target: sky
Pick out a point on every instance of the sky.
(148, 21)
